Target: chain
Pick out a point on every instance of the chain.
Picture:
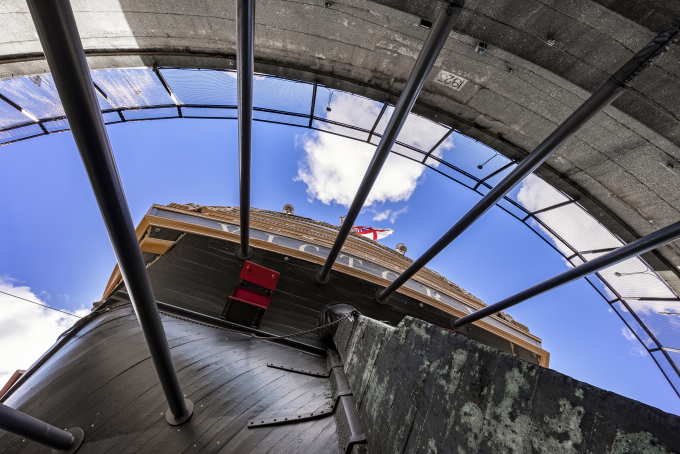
(255, 336)
(302, 333)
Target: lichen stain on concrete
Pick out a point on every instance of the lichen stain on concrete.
(639, 443)
(450, 383)
(420, 330)
(579, 393)
(473, 419)
(560, 433)
(506, 431)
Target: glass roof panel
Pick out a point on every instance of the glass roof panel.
(212, 93)
(132, 87)
(346, 108)
(578, 228)
(341, 130)
(203, 87)
(149, 114)
(20, 133)
(670, 371)
(283, 95)
(655, 315)
(36, 94)
(209, 112)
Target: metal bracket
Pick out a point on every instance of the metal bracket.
(350, 430)
(78, 437)
(333, 360)
(298, 371)
(339, 385)
(290, 419)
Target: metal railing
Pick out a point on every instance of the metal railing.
(632, 289)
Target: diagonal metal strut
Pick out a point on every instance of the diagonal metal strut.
(23, 425)
(637, 247)
(601, 98)
(428, 55)
(60, 40)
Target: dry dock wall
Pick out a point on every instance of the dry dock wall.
(419, 389)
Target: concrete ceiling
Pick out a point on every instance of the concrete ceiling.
(624, 166)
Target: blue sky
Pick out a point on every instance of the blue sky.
(53, 243)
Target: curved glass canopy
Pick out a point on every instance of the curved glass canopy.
(30, 107)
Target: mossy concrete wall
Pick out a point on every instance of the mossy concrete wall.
(419, 388)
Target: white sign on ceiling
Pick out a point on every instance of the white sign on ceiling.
(450, 80)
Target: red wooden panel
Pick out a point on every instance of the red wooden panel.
(13, 379)
(248, 296)
(259, 275)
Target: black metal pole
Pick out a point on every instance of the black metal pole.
(60, 40)
(245, 64)
(428, 55)
(25, 426)
(600, 99)
(637, 247)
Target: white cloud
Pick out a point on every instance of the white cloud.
(637, 349)
(393, 216)
(26, 330)
(333, 168)
(381, 216)
(389, 214)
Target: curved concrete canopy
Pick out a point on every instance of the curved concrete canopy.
(624, 166)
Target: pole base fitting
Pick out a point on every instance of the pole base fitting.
(457, 328)
(78, 437)
(381, 300)
(174, 420)
(320, 280)
(244, 257)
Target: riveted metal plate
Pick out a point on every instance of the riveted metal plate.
(298, 370)
(297, 417)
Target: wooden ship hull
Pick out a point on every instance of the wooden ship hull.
(99, 375)
(383, 378)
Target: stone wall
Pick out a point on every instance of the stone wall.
(420, 388)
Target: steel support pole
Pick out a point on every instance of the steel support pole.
(637, 247)
(245, 65)
(600, 99)
(428, 55)
(60, 40)
(18, 423)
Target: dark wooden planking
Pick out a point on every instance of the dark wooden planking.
(108, 387)
(163, 233)
(198, 273)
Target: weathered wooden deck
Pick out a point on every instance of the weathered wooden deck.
(103, 381)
